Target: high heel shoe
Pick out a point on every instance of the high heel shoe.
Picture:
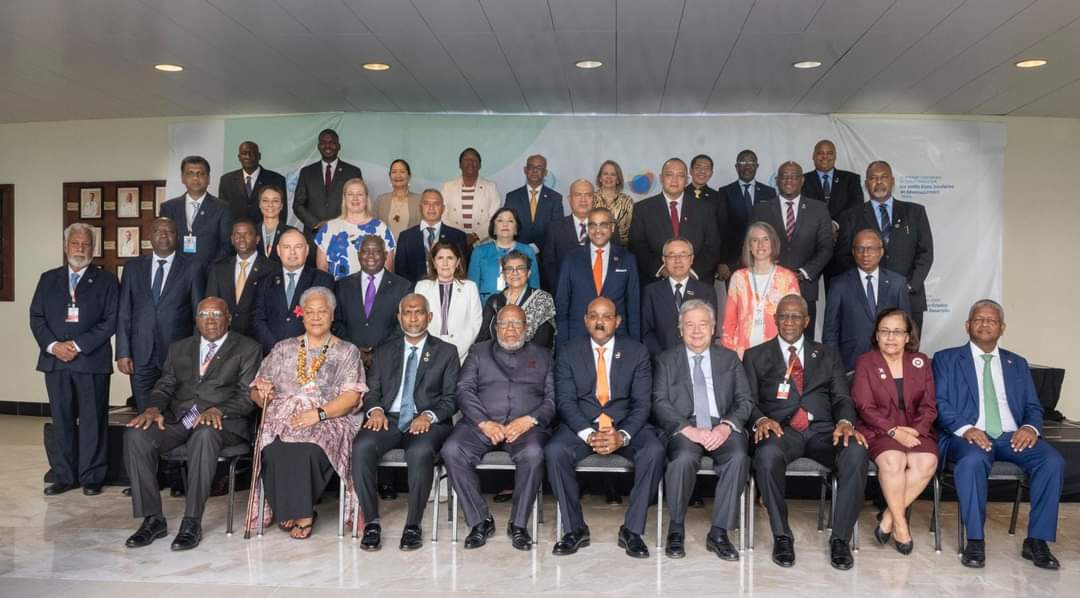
(905, 548)
(881, 536)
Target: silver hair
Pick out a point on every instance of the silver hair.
(797, 299)
(691, 305)
(427, 305)
(987, 303)
(323, 292)
(78, 226)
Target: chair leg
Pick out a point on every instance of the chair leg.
(341, 510)
(1016, 507)
(936, 520)
(354, 509)
(751, 506)
(540, 503)
(435, 505)
(232, 496)
(536, 513)
(660, 515)
(453, 515)
(821, 513)
(742, 521)
(855, 536)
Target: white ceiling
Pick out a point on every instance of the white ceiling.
(74, 59)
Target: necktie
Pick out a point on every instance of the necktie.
(800, 420)
(408, 404)
(210, 349)
(159, 280)
(674, 219)
(990, 400)
(193, 212)
(430, 237)
(445, 290)
(678, 295)
(746, 195)
(701, 396)
(532, 204)
(598, 271)
(603, 392)
(290, 288)
(789, 224)
(328, 179)
(247, 184)
(870, 294)
(369, 295)
(241, 279)
(826, 187)
(581, 234)
(74, 282)
(886, 225)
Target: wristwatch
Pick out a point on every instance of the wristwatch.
(322, 414)
(535, 421)
(892, 433)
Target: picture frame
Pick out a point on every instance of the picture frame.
(159, 198)
(127, 202)
(127, 241)
(90, 202)
(97, 231)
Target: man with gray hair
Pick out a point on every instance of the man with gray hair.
(73, 317)
(702, 401)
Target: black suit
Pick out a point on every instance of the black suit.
(845, 193)
(313, 202)
(411, 254)
(232, 189)
(549, 206)
(562, 237)
(221, 282)
(274, 318)
(436, 380)
(630, 385)
(651, 228)
(212, 227)
(826, 398)
(718, 201)
(660, 314)
(738, 218)
(673, 410)
(272, 254)
(145, 329)
(79, 389)
(225, 387)
(368, 331)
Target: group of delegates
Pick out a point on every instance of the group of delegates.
(594, 333)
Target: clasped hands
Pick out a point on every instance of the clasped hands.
(152, 416)
(510, 432)
(65, 351)
(606, 442)
(710, 439)
(1022, 439)
(377, 421)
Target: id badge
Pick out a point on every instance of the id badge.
(72, 314)
(783, 390)
(190, 244)
(759, 316)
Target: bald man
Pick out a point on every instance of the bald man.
(566, 234)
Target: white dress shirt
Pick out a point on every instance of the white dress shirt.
(672, 282)
(1008, 424)
(204, 347)
(678, 204)
(875, 282)
(250, 264)
(71, 292)
(406, 348)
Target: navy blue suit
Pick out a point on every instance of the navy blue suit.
(212, 227)
(549, 209)
(738, 218)
(562, 237)
(660, 315)
(411, 256)
(576, 290)
(274, 318)
(232, 189)
(362, 330)
(849, 324)
(78, 389)
(958, 403)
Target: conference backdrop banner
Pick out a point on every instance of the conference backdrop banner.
(954, 168)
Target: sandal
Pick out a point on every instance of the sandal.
(305, 530)
(286, 525)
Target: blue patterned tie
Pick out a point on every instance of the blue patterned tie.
(408, 405)
(826, 187)
(74, 283)
(886, 225)
(159, 281)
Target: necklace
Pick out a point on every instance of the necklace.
(302, 376)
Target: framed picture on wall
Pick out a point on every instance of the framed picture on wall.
(97, 241)
(127, 202)
(127, 241)
(159, 198)
(90, 203)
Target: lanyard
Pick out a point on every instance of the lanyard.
(768, 285)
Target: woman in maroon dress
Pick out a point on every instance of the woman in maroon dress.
(893, 389)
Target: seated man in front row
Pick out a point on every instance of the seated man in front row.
(702, 401)
(201, 401)
(506, 393)
(409, 405)
(603, 388)
(987, 411)
(803, 409)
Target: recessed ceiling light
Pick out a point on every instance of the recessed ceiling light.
(588, 64)
(807, 64)
(1031, 63)
(375, 66)
(169, 68)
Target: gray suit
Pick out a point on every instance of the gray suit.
(499, 385)
(673, 410)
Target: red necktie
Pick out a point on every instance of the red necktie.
(800, 421)
(789, 224)
(675, 218)
(329, 179)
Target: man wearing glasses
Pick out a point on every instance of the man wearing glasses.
(740, 196)
(661, 301)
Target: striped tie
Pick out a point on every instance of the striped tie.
(790, 223)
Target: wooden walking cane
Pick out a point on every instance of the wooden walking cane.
(256, 470)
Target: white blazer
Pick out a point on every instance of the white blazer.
(465, 314)
(486, 202)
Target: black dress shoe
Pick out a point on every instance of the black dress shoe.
(632, 543)
(783, 551)
(612, 497)
(571, 542)
(190, 534)
(519, 537)
(92, 490)
(372, 538)
(55, 489)
(387, 492)
(411, 538)
(152, 528)
(126, 491)
(479, 534)
(881, 537)
(721, 546)
(904, 548)
(840, 554)
(974, 554)
(1038, 553)
(676, 545)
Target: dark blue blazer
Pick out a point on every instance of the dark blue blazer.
(576, 290)
(549, 209)
(849, 325)
(660, 316)
(738, 218)
(351, 324)
(957, 390)
(233, 191)
(561, 239)
(142, 326)
(212, 227)
(274, 319)
(97, 297)
(630, 384)
(410, 256)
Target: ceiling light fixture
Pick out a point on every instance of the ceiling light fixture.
(588, 64)
(375, 66)
(1031, 63)
(806, 64)
(169, 68)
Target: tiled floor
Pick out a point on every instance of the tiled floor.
(73, 545)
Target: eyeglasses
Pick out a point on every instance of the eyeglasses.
(789, 317)
(515, 324)
(210, 313)
(595, 225)
(864, 250)
(888, 333)
(678, 256)
(515, 269)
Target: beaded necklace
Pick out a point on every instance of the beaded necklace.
(302, 376)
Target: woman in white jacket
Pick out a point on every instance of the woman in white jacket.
(454, 299)
(470, 200)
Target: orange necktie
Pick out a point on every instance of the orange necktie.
(603, 394)
(598, 271)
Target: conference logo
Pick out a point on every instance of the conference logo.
(643, 182)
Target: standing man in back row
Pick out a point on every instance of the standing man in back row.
(203, 221)
(318, 190)
(839, 189)
(535, 204)
(239, 189)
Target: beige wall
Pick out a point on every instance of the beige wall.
(1040, 216)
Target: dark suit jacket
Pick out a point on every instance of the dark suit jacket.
(849, 325)
(500, 385)
(212, 227)
(957, 390)
(660, 316)
(825, 387)
(909, 252)
(810, 247)
(718, 201)
(846, 191)
(411, 257)
(576, 290)
(561, 238)
(97, 297)
(630, 385)
(221, 282)
(233, 191)
(673, 389)
(350, 321)
(738, 218)
(436, 378)
(312, 203)
(651, 228)
(274, 320)
(226, 384)
(548, 210)
(142, 326)
(273, 253)
(878, 404)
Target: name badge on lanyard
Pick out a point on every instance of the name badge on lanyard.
(72, 313)
(190, 244)
(759, 299)
(783, 390)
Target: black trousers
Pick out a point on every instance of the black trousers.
(566, 449)
(732, 466)
(80, 405)
(811, 307)
(917, 317)
(772, 455)
(420, 450)
(143, 448)
(294, 476)
(144, 377)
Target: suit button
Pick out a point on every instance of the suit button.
(288, 319)
(365, 324)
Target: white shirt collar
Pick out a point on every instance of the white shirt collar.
(254, 174)
(217, 344)
(78, 272)
(593, 248)
(863, 273)
(977, 353)
(419, 346)
(608, 346)
(677, 199)
(672, 282)
(197, 200)
(795, 199)
(538, 188)
(168, 259)
(784, 345)
(297, 271)
(333, 165)
(250, 259)
(690, 354)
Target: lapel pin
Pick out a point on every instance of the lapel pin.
(618, 355)
(813, 354)
(427, 356)
(883, 376)
(917, 362)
